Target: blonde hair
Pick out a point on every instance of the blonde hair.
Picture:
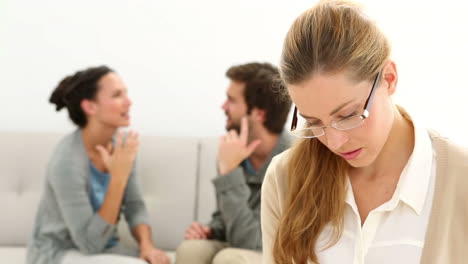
(331, 37)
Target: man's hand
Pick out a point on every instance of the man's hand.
(233, 148)
(197, 231)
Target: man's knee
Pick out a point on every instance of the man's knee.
(197, 251)
(237, 256)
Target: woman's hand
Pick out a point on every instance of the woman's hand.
(154, 256)
(119, 159)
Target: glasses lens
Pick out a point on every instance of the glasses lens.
(308, 132)
(349, 123)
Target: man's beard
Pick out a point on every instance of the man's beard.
(235, 126)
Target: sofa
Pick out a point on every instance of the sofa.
(175, 174)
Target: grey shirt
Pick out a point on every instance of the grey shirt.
(237, 218)
(65, 218)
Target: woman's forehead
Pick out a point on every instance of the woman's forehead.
(111, 82)
(321, 94)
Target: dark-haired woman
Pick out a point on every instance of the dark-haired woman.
(90, 180)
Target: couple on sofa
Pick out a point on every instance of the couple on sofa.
(91, 175)
(365, 183)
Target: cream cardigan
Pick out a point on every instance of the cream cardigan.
(447, 234)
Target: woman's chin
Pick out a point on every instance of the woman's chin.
(125, 123)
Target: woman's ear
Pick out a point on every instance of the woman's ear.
(390, 76)
(88, 106)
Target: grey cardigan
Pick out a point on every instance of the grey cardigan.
(65, 219)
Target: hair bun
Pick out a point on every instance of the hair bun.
(60, 93)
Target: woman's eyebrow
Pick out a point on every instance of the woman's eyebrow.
(332, 112)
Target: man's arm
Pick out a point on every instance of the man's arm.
(218, 230)
(241, 223)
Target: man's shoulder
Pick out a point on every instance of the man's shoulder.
(285, 141)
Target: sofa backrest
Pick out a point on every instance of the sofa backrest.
(23, 160)
(175, 175)
(207, 171)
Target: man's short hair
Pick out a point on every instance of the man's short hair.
(261, 92)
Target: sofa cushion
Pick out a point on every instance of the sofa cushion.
(13, 255)
(167, 168)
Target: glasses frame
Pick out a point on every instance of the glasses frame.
(363, 116)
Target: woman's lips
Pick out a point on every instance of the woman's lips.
(352, 154)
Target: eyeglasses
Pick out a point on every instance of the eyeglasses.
(344, 124)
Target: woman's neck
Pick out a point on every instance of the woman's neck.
(95, 134)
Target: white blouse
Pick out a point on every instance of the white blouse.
(394, 232)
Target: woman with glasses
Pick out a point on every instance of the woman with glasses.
(90, 180)
(364, 183)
